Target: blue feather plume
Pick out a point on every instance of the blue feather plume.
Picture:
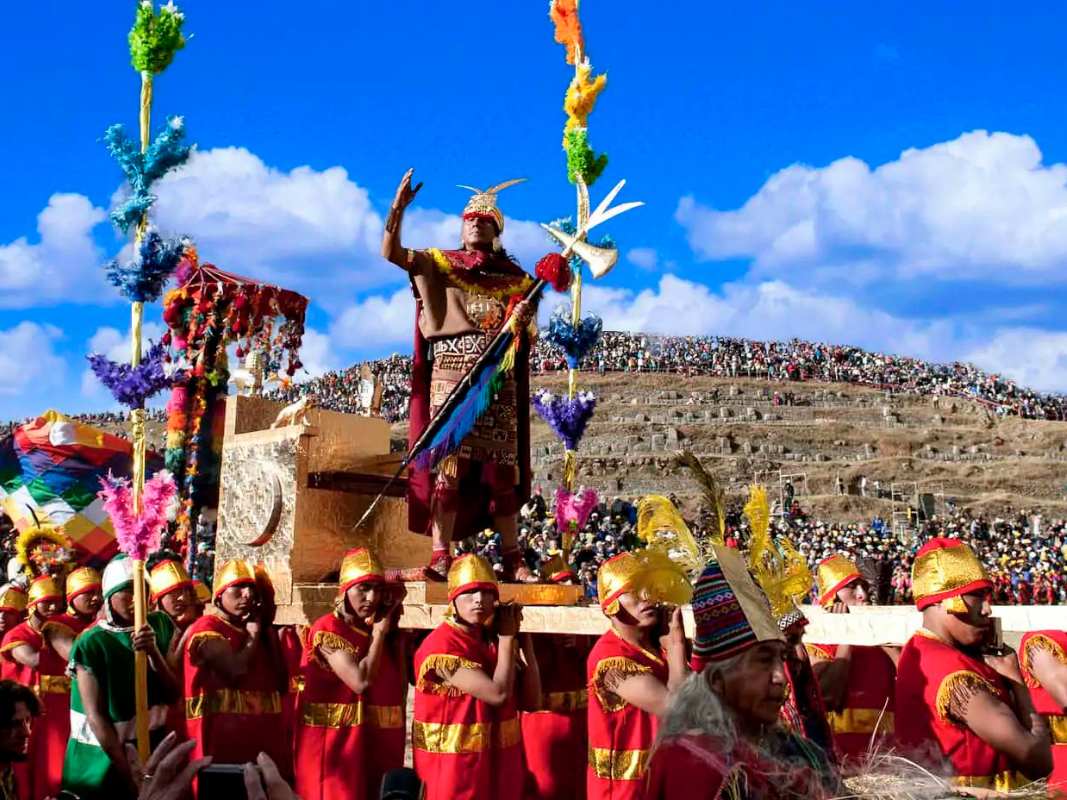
(165, 153)
(142, 279)
(574, 340)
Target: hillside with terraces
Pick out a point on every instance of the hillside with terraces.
(903, 445)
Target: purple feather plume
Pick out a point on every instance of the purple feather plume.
(132, 386)
(566, 417)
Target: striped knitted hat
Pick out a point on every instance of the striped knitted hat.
(729, 611)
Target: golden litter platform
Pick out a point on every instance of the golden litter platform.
(291, 495)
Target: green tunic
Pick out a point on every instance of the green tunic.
(107, 653)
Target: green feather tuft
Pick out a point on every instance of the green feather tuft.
(155, 38)
(581, 160)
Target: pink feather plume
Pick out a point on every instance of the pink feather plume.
(138, 534)
(574, 508)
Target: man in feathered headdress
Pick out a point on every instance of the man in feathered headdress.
(463, 298)
(784, 577)
(958, 693)
(722, 734)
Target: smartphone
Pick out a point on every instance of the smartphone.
(222, 780)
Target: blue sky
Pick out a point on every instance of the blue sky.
(886, 175)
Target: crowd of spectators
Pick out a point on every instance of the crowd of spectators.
(794, 360)
(1026, 560)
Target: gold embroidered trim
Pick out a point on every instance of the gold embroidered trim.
(443, 666)
(518, 286)
(232, 701)
(620, 665)
(453, 738)
(861, 720)
(816, 652)
(1035, 644)
(618, 765)
(956, 690)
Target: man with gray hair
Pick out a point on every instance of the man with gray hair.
(721, 735)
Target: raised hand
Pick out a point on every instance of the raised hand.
(404, 193)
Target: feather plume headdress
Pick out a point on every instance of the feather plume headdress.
(662, 528)
(712, 492)
(44, 550)
(779, 568)
(483, 201)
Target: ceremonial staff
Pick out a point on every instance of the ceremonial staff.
(153, 40)
(471, 395)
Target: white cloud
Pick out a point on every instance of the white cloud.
(1033, 358)
(29, 363)
(980, 207)
(376, 321)
(303, 228)
(317, 354)
(64, 265)
(643, 257)
(310, 230)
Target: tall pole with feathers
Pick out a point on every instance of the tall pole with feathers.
(577, 336)
(153, 40)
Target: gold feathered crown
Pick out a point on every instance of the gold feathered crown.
(483, 201)
(661, 527)
(44, 550)
(779, 568)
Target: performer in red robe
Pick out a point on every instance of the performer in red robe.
(34, 662)
(465, 736)
(173, 593)
(13, 602)
(1043, 658)
(85, 598)
(721, 735)
(554, 734)
(337, 720)
(233, 677)
(970, 708)
(463, 299)
(857, 682)
(630, 674)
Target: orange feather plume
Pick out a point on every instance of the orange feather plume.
(564, 14)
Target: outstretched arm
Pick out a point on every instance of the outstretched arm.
(392, 249)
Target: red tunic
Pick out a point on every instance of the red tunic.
(695, 767)
(464, 749)
(233, 722)
(1056, 643)
(928, 674)
(337, 729)
(868, 710)
(620, 735)
(43, 771)
(554, 736)
(387, 701)
(291, 643)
